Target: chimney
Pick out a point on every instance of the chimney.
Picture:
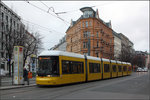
(97, 14)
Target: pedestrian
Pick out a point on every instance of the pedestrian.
(25, 76)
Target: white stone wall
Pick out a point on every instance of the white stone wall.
(117, 46)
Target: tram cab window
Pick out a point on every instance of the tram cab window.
(48, 66)
(106, 68)
(94, 67)
(114, 68)
(120, 68)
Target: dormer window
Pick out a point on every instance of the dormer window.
(88, 14)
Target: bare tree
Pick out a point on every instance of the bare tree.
(32, 44)
(21, 37)
(139, 60)
(126, 55)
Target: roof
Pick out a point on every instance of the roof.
(87, 9)
(60, 53)
(116, 34)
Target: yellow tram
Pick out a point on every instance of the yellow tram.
(58, 67)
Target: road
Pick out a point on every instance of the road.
(134, 87)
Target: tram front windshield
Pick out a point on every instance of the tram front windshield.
(48, 66)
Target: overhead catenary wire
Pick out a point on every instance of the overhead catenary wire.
(64, 12)
(48, 29)
(47, 12)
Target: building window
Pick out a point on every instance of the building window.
(110, 41)
(2, 54)
(2, 45)
(2, 35)
(2, 16)
(97, 54)
(83, 24)
(71, 48)
(86, 23)
(97, 34)
(85, 44)
(7, 19)
(85, 34)
(110, 49)
(90, 24)
(14, 23)
(71, 40)
(85, 53)
(97, 44)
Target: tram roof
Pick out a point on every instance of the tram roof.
(119, 62)
(93, 58)
(60, 53)
(124, 63)
(113, 61)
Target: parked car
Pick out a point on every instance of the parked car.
(139, 69)
(145, 69)
(3, 72)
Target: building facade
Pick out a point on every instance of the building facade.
(90, 35)
(10, 23)
(117, 45)
(7, 17)
(127, 50)
(61, 45)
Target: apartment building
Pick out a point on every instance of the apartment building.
(7, 17)
(90, 35)
(9, 20)
(117, 45)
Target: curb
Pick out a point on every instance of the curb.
(14, 87)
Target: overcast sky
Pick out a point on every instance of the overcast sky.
(128, 17)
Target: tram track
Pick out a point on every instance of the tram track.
(56, 92)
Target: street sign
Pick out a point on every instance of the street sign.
(18, 65)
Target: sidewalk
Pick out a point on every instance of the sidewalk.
(6, 83)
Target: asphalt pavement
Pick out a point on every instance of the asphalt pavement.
(134, 87)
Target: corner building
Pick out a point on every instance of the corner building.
(90, 35)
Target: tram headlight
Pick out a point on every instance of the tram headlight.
(48, 75)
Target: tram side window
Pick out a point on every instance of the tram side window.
(94, 67)
(106, 68)
(124, 68)
(114, 68)
(80, 67)
(76, 67)
(65, 67)
(120, 68)
(129, 68)
(72, 67)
